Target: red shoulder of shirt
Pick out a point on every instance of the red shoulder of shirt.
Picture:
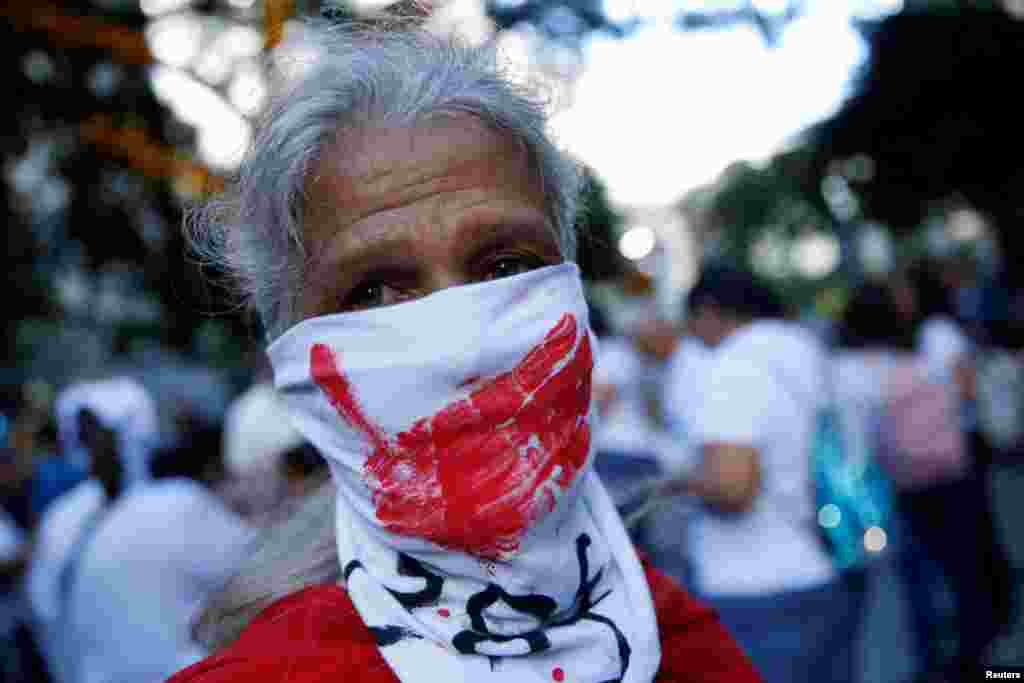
(315, 635)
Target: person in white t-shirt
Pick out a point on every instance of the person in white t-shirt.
(632, 443)
(628, 377)
(112, 425)
(12, 552)
(162, 549)
(621, 374)
(756, 555)
(682, 390)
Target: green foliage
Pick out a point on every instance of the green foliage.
(597, 229)
(930, 110)
(750, 202)
(757, 214)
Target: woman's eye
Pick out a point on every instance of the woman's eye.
(507, 266)
(367, 295)
(393, 289)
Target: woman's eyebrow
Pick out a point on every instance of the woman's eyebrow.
(521, 226)
(366, 254)
(369, 245)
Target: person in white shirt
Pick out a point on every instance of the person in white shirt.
(684, 380)
(12, 552)
(951, 525)
(630, 379)
(161, 550)
(112, 425)
(756, 556)
(632, 443)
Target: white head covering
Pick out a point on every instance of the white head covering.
(475, 541)
(123, 406)
(257, 432)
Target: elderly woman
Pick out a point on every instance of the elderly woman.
(405, 229)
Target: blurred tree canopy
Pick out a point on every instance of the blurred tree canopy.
(597, 231)
(933, 113)
(97, 170)
(750, 200)
(756, 215)
(569, 22)
(929, 122)
(96, 174)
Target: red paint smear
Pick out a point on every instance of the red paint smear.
(444, 612)
(482, 470)
(324, 369)
(558, 674)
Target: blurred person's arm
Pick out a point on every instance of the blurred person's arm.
(728, 478)
(657, 339)
(730, 418)
(965, 377)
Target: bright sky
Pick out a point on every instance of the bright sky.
(655, 115)
(665, 111)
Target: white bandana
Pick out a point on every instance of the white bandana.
(476, 542)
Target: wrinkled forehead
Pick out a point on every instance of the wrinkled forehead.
(357, 165)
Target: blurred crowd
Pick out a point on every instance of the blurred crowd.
(117, 525)
(708, 443)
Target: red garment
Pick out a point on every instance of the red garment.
(316, 636)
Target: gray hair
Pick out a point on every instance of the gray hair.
(356, 77)
(297, 552)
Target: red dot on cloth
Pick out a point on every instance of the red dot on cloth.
(444, 613)
(558, 674)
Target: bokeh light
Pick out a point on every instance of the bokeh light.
(816, 255)
(637, 242)
(875, 539)
(830, 516)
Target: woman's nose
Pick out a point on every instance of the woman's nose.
(443, 276)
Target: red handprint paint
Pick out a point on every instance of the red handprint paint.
(476, 475)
